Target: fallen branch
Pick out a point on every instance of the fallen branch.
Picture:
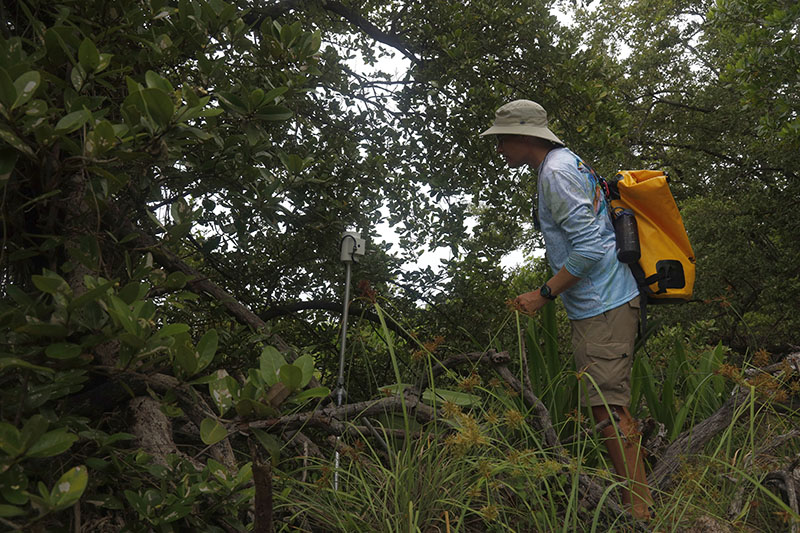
(695, 438)
(332, 420)
(737, 503)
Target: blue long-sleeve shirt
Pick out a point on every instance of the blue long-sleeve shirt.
(578, 236)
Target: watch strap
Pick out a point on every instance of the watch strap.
(546, 292)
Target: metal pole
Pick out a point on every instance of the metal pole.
(347, 255)
(345, 310)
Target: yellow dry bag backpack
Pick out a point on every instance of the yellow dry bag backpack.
(650, 234)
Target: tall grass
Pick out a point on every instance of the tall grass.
(483, 467)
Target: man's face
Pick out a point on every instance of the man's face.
(514, 148)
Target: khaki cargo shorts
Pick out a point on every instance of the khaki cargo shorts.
(603, 347)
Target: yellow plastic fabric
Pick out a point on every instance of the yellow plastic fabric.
(661, 231)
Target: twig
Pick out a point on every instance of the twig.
(791, 492)
(77, 510)
(600, 426)
(377, 435)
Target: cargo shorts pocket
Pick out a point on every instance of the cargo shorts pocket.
(609, 365)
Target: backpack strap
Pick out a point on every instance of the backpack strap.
(611, 192)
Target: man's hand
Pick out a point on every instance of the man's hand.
(530, 302)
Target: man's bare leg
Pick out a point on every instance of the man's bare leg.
(626, 456)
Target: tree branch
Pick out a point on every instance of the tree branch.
(257, 15)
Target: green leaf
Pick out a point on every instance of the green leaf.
(172, 329)
(395, 388)
(52, 443)
(10, 511)
(270, 361)
(211, 431)
(132, 292)
(316, 41)
(232, 102)
(15, 142)
(249, 408)
(205, 380)
(88, 56)
(245, 474)
(25, 86)
(256, 97)
(69, 488)
(14, 486)
(36, 108)
(316, 392)
(8, 159)
(63, 350)
(105, 60)
(11, 440)
(43, 329)
(269, 442)
(291, 376)
(223, 391)
(15, 362)
(186, 357)
(306, 364)
(207, 348)
(154, 81)
(160, 105)
(122, 312)
(274, 93)
(442, 395)
(90, 296)
(73, 121)
(48, 284)
(7, 91)
(274, 112)
(154, 103)
(77, 76)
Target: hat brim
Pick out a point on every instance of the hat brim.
(521, 129)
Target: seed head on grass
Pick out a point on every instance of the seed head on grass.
(429, 347)
(490, 512)
(467, 436)
(761, 357)
(492, 418)
(451, 410)
(484, 468)
(365, 290)
(547, 468)
(469, 383)
(325, 479)
(514, 419)
(785, 516)
(576, 416)
(475, 492)
(418, 355)
(768, 387)
(731, 372)
(514, 306)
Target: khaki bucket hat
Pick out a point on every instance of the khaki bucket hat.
(522, 117)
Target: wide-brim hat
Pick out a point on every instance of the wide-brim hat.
(522, 117)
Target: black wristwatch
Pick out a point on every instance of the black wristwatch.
(546, 292)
